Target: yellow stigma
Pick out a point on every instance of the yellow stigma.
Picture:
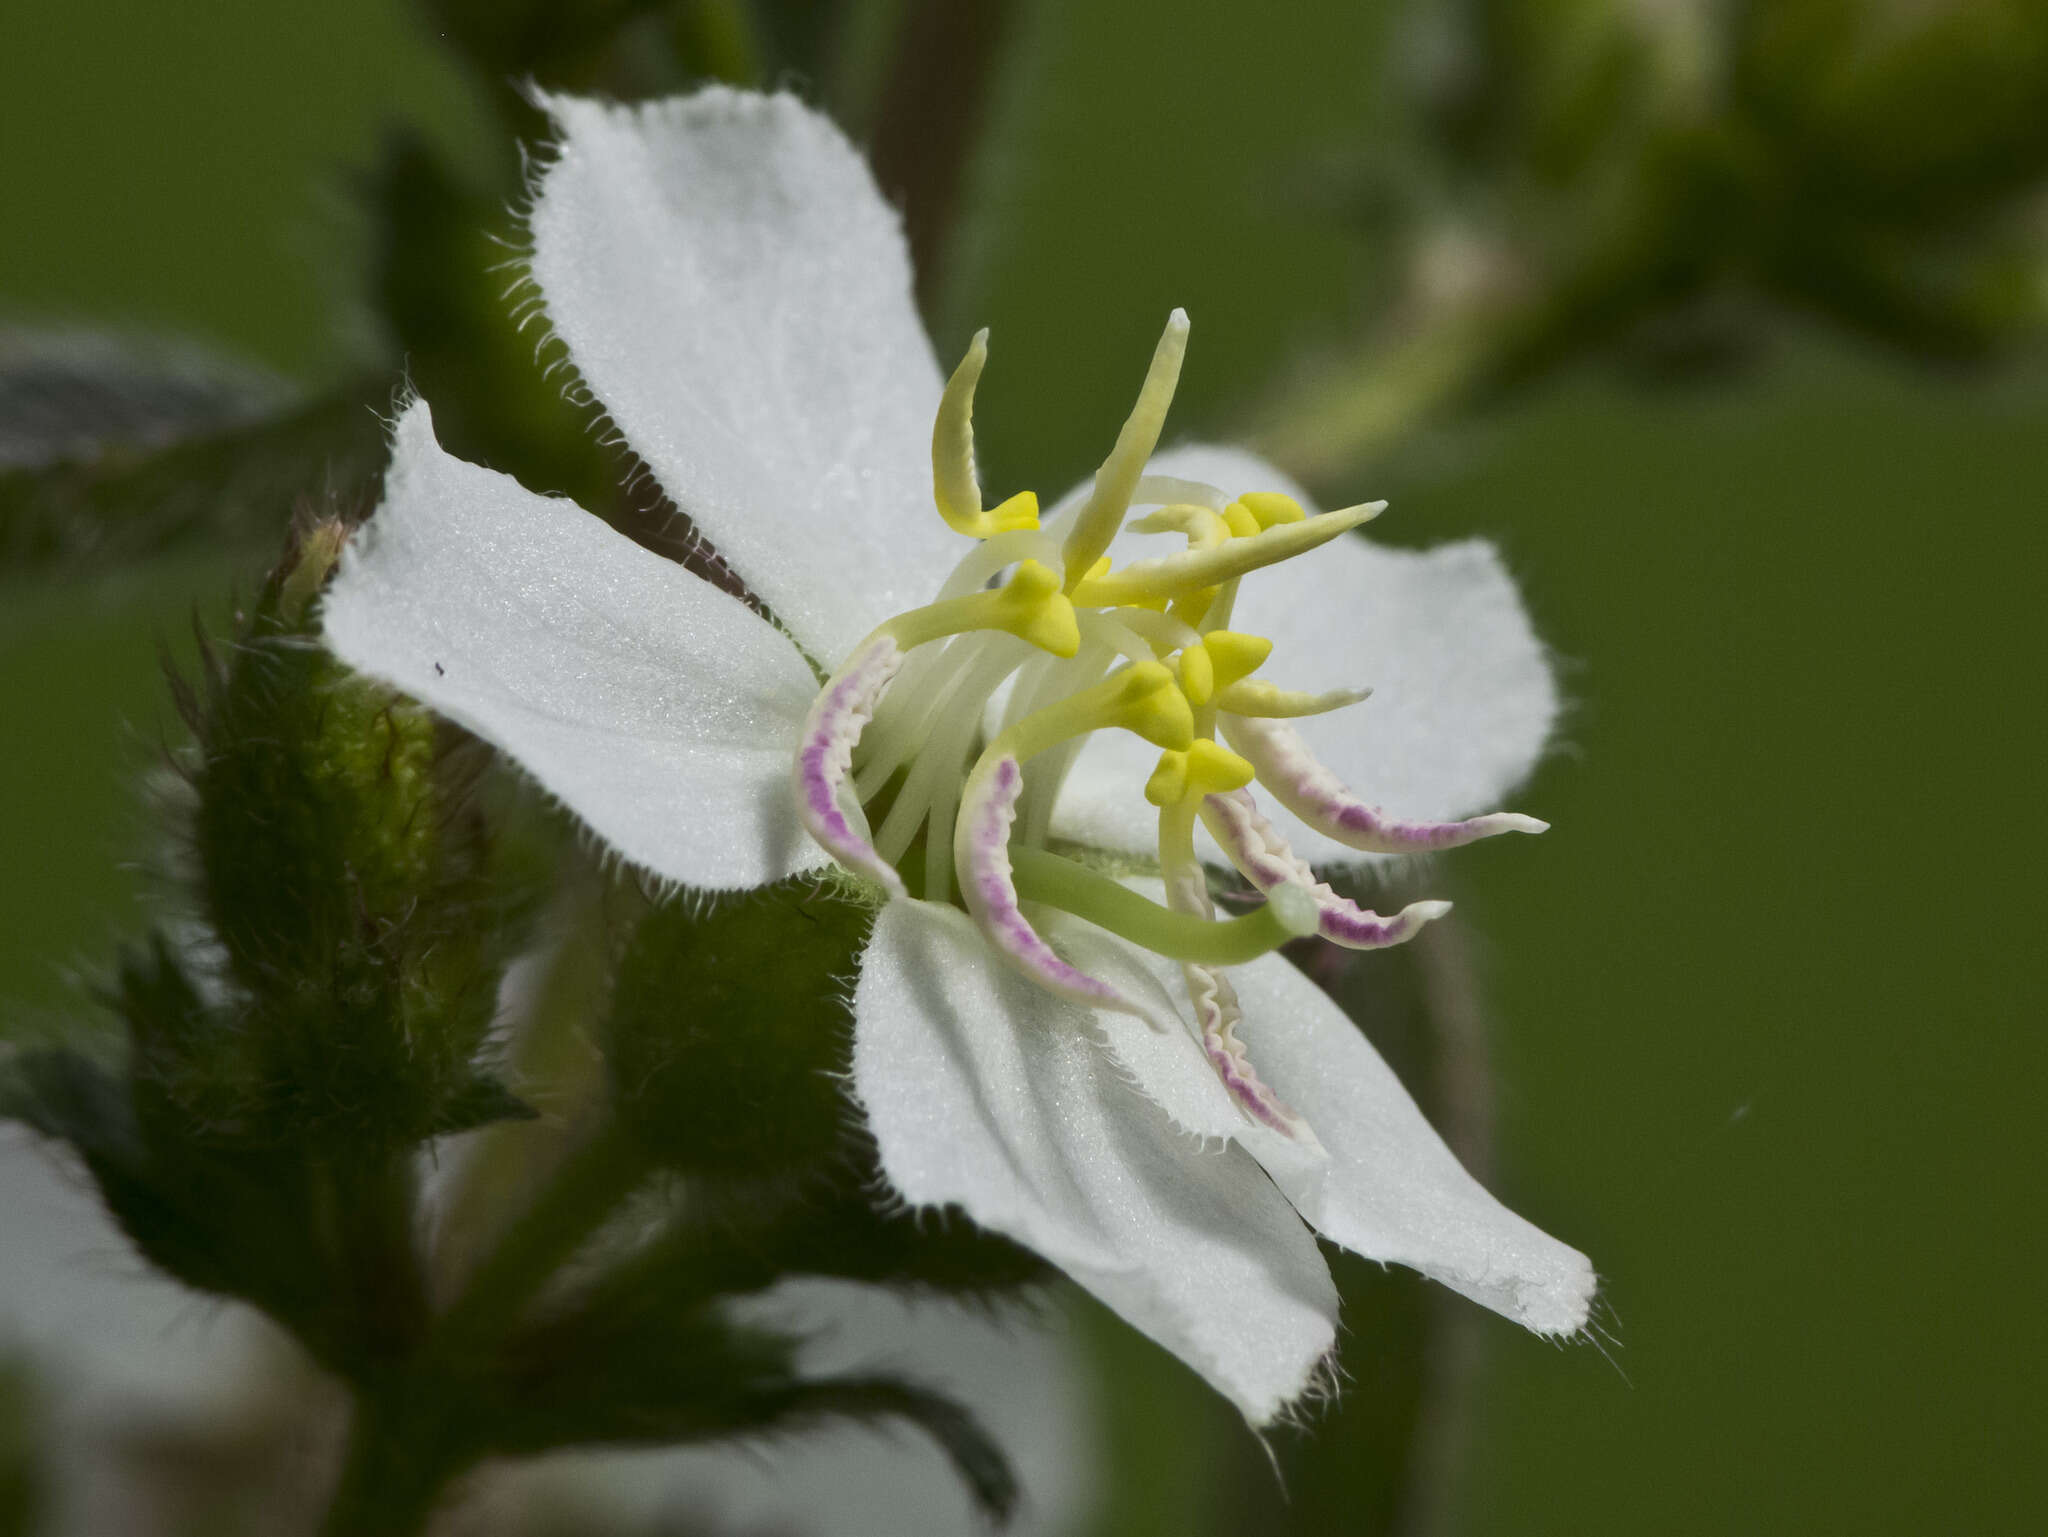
(1030, 606)
(1241, 520)
(1206, 768)
(955, 486)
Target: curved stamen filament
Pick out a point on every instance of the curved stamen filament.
(1140, 698)
(1117, 481)
(941, 753)
(1203, 526)
(1030, 606)
(1074, 888)
(825, 752)
(1164, 631)
(1170, 490)
(1100, 629)
(1301, 784)
(1258, 697)
(1178, 785)
(1264, 859)
(982, 858)
(987, 558)
(955, 485)
(1191, 571)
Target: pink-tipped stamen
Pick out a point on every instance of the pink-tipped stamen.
(1301, 784)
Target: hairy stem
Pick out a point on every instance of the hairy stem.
(585, 1191)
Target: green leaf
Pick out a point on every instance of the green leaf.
(640, 1369)
(224, 483)
(77, 394)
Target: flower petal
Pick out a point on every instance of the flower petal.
(1381, 1183)
(660, 710)
(736, 293)
(986, 1092)
(1462, 702)
(1391, 1190)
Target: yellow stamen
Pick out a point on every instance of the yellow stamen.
(1141, 698)
(1204, 526)
(1117, 480)
(955, 486)
(1206, 768)
(1265, 700)
(1181, 575)
(1030, 606)
(1243, 525)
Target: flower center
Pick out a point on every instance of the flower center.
(932, 759)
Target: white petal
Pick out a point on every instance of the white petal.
(1384, 1185)
(1462, 702)
(985, 1092)
(1391, 1190)
(736, 293)
(658, 709)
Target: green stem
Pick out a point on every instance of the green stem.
(399, 1461)
(585, 1191)
(1288, 913)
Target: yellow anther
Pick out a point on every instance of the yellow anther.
(1206, 768)
(1030, 606)
(1243, 523)
(1235, 655)
(955, 486)
(1141, 697)
(1152, 705)
(1197, 675)
(1100, 568)
(1270, 507)
(1168, 785)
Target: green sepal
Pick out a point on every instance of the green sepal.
(341, 867)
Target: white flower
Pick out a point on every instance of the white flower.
(1056, 1054)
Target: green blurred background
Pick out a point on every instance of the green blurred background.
(1768, 998)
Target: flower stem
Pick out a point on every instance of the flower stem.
(398, 1463)
(585, 1191)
